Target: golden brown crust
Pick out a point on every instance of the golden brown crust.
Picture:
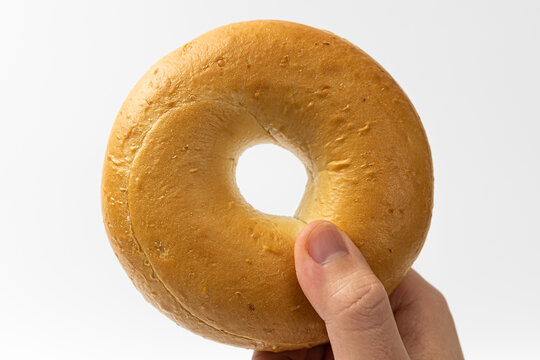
(173, 213)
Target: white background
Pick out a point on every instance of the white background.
(471, 68)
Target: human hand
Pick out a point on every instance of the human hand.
(361, 320)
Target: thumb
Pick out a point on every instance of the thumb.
(346, 294)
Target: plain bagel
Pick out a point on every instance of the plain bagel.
(175, 217)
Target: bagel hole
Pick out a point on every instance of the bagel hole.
(271, 179)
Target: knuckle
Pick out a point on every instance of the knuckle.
(439, 299)
(433, 298)
(360, 299)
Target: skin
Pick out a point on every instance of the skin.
(414, 322)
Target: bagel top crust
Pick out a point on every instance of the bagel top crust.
(173, 213)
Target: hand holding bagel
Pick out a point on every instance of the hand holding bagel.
(362, 321)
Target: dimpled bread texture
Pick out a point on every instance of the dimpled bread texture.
(174, 215)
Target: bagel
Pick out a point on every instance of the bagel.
(176, 220)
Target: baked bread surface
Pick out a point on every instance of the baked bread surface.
(175, 218)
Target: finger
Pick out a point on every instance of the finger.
(267, 355)
(315, 353)
(424, 320)
(346, 294)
